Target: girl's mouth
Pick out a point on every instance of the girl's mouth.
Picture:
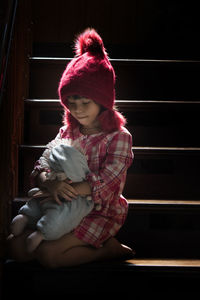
(80, 118)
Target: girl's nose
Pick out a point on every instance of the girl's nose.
(78, 108)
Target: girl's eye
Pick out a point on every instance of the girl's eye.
(85, 103)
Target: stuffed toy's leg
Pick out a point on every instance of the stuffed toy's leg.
(32, 211)
(28, 216)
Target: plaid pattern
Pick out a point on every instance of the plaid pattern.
(108, 156)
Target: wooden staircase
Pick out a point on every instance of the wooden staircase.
(163, 182)
(160, 99)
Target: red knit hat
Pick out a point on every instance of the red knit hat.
(89, 74)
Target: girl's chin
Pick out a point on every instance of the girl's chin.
(85, 124)
(82, 120)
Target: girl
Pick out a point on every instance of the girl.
(87, 93)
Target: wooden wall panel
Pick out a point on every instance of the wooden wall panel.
(11, 113)
(60, 23)
(157, 29)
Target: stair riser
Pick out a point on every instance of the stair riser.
(153, 174)
(150, 124)
(139, 80)
(162, 233)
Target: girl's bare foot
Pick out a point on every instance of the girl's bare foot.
(117, 250)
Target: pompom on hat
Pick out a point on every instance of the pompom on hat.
(90, 74)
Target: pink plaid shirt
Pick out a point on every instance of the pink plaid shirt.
(109, 156)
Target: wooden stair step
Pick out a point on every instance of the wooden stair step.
(156, 205)
(131, 51)
(132, 264)
(166, 263)
(116, 61)
(136, 78)
(140, 204)
(164, 204)
(145, 277)
(151, 122)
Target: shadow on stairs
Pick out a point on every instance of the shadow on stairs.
(141, 277)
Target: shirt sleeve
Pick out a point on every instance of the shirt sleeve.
(112, 173)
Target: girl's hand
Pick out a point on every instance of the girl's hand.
(57, 188)
(61, 188)
(83, 188)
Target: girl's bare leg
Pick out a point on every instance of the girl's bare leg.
(70, 251)
(112, 249)
(66, 251)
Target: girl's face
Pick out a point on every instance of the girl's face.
(84, 110)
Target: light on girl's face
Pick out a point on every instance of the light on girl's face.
(84, 110)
